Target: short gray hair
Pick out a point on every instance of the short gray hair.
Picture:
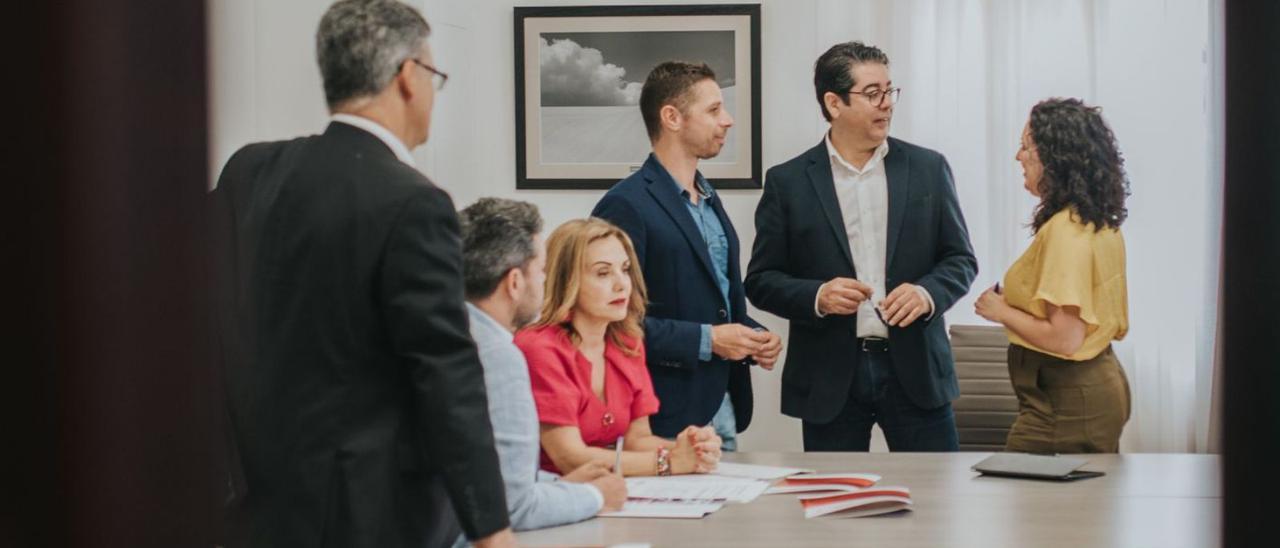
(361, 44)
(497, 236)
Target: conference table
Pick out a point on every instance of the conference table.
(1158, 500)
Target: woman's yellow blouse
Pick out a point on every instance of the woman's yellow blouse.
(1069, 264)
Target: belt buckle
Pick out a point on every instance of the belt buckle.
(875, 344)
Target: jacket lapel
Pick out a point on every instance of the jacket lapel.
(825, 186)
(897, 172)
(662, 188)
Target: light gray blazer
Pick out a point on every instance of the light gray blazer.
(535, 499)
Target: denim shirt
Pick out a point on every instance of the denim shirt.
(717, 247)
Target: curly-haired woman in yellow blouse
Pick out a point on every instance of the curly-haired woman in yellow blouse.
(1065, 299)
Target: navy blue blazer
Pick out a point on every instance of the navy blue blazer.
(801, 242)
(683, 295)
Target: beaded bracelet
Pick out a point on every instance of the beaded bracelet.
(664, 461)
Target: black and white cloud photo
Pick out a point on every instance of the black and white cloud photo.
(590, 89)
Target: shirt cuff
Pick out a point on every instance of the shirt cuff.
(596, 494)
(927, 298)
(816, 298)
(704, 344)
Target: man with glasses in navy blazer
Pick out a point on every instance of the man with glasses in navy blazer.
(861, 244)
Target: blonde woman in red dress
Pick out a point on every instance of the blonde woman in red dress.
(587, 364)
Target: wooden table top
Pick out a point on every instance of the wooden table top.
(1164, 500)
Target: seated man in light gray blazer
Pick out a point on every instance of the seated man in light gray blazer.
(503, 260)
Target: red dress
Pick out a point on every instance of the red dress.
(561, 380)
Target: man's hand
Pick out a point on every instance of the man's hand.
(587, 472)
(768, 354)
(502, 539)
(842, 296)
(734, 341)
(904, 305)
(614, 489)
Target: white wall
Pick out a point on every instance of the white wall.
(1144, 61)
(265, 86)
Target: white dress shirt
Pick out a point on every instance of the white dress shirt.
(864, 204)
(383, 134)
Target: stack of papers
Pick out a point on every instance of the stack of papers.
(696, 495)
(868, 501)
(844, 495)
(824, 482)
(695, 488)
(756, 471)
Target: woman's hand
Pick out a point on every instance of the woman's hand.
(697, 451)
(991, 306)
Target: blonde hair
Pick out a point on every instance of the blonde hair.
(566, 259)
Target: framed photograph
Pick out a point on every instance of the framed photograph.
(579, 71)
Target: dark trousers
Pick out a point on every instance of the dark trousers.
(875, 396)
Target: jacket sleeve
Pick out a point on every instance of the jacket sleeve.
(955, 265)
(769, 284)
(420, 292)
(533, 504)
(668, 342)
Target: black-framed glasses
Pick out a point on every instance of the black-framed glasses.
(438, 77)
(877, 96)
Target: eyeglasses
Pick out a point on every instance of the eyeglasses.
(877, 96)
(438, 78)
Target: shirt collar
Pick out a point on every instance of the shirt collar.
(836, 159)
(383, 134)
(705, 190)
(486, 320)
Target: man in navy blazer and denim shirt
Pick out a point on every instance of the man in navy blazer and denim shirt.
(698, 338)
(861, 244)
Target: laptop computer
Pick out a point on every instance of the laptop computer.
(1042, 467)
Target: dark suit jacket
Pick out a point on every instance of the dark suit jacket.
(355, 394)
(683, 295)
(801, 242)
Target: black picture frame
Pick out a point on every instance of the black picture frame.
(538, 175)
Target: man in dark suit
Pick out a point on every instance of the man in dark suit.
(355, 394)
(698, 338)
(860, 243)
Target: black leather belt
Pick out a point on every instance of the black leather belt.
(874, 344)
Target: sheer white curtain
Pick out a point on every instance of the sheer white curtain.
(971, 70)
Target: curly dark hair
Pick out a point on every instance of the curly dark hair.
(1083, 167)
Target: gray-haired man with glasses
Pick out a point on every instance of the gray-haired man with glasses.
(355, 394)
(866, 281)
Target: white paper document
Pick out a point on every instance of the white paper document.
(756, 471)
(811, 488)
(660, 509)
(696, 488)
